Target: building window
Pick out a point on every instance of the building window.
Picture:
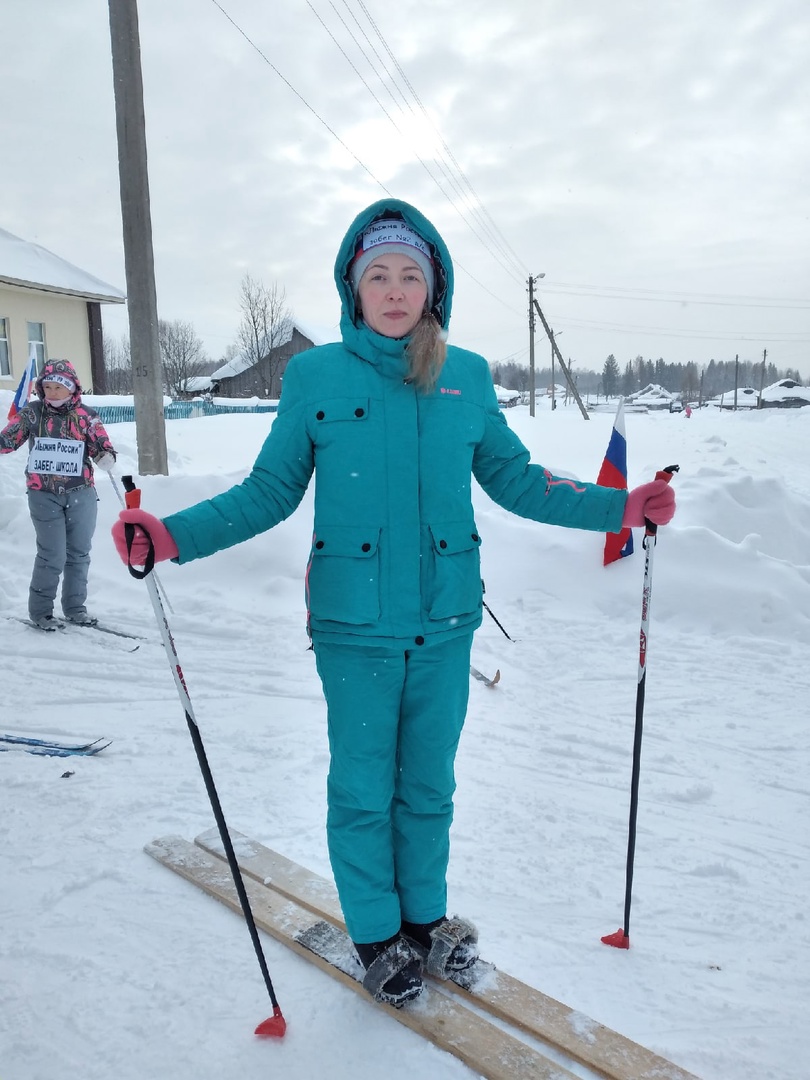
(5, 363)
(36, 340)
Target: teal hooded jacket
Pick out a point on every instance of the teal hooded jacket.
(395, 547)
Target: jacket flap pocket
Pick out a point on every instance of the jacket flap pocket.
(353, 408)
(455, 536)
(348, 541)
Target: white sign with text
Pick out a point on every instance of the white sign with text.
(56, 457)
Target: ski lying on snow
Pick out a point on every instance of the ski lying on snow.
(56, 743)
(68, 628)
(52, 747)
(106, 630)
(476, 674)
(489, 1050)
(567, 1031)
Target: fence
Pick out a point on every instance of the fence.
(179, 410)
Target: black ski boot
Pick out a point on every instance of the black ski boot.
(446, 945)
(393, 970)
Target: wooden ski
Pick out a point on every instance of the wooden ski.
(486, 1048)
(565, 1030)
(485, 679)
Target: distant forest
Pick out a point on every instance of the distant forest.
(691, 381)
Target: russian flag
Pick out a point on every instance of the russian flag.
(26, 382)
(614, 474)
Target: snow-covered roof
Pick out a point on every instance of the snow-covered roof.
(783, 392)
(34, 267)
(503, 394)
(198, 384)
(236, 366)
(316, 334)
(747, 398)
(786, 390)
(652, 394)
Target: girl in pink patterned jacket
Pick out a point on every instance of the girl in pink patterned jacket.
(65, 440)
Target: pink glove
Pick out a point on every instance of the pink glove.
(147, 527)
(655, 501)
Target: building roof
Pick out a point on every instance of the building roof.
(502, 394)
(316, 334)
(652, 394)
(33, 267)
(786, 390)
(747, 398)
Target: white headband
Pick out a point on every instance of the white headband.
(63, 380)
(390, 231)
(394, 238)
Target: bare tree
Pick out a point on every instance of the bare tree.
(118, 365)
(182, 354)
(231, 353)
(265, 327)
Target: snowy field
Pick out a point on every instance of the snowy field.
(113, 967)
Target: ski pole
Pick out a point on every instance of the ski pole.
(621, 938)
(122, 500)
(275, 1024)
(487, 607)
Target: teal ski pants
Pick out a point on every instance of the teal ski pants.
(395, 717)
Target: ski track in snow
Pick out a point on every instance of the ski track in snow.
(113, 967)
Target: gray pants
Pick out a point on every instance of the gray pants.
(64, 525)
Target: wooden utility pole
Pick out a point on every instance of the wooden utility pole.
(531, 346)
(762, 378)
(147, 369)
(736, 378)
(563, 366)
(553, 376)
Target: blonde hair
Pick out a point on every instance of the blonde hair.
(426, 352)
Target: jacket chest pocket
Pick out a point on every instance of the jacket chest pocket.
(331, 414)
(455, 565)
(343, 579)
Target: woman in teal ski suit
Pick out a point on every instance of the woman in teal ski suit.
(394, 425)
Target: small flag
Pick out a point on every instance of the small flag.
(26, 382)
(614, 474)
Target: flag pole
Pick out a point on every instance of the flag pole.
(26, 382)
(613, 474)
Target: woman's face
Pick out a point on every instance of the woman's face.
(392, 294)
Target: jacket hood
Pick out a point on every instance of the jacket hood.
(58, 367)
(394, 208)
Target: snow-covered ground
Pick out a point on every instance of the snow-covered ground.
(113, 967)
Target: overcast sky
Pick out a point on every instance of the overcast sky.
(650, 159)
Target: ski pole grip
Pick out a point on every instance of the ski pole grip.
(133, 494)
(666, 474)
(132, 498)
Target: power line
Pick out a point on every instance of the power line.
(300, 97)
(610, 292)
(554, 288)
(388, 115)
(390, 81)
(332, 132)
(777, 336)
(478, 206)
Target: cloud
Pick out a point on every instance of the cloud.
(627, 146)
